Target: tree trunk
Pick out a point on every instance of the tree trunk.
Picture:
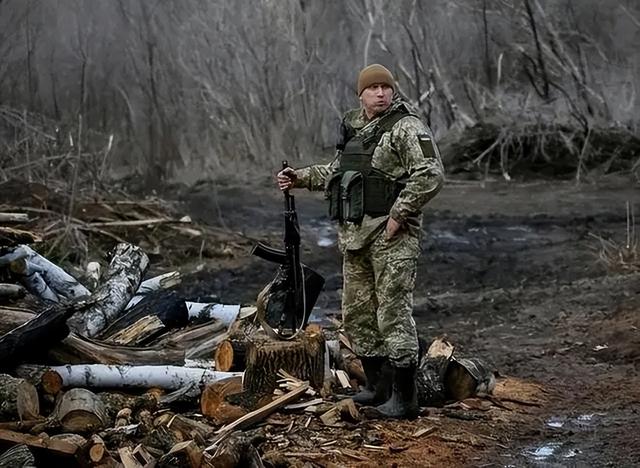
(78, 350)
(45, 380)
(124, 274)
(18, 399)
(166, 377)
(80, 410)
(302, 357)
(214, 404)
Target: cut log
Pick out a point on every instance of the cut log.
(465, 378)
(184, 428)
(214, 404)
(11, 318)
(166, 377)
(302, 357)
(231, 354)
(139, 332)
(61, 284)
(97, 453)
(57, 447)
(77, 350)
(18, 399)
(81, 411)
(186, 454)
(123, 277)
(206, 348)
(236, 450)
(114, 402)
(45, 380)
(346, 360)
(136, 458)
(190, 337)
(18, 456)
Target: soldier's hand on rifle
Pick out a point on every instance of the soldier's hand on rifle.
(286, 178)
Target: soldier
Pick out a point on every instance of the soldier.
(386, 169)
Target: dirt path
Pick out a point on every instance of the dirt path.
(509, 273)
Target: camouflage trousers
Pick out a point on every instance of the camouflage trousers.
(377, 298)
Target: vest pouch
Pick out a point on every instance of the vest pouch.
(380, 193)
(332, 195)
(352, 193)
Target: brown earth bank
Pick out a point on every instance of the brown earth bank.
(510, 273)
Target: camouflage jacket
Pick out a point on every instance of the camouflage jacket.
(398, 153)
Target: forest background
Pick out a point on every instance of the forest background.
(181, 90)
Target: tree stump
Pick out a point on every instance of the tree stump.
(18, 399)
(302, 357)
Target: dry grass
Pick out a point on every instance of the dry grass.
(621, 256)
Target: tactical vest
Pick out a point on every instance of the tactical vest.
(357, 188)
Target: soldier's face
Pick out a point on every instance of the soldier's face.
(376, 98)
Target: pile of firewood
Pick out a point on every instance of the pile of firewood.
(114, 370)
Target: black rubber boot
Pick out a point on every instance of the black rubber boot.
(377, 389)
(403, 403)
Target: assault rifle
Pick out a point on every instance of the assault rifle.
(285, 304)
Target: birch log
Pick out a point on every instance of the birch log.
(124, 274)
(224, 313)
(166, 377)
(26, 262)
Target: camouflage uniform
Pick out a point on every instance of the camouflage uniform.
(379, 274)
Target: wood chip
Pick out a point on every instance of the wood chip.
(343, 378)
(424, 431)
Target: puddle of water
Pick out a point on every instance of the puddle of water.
(549, 452)
(542, 452)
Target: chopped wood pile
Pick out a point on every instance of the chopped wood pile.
(113, 369)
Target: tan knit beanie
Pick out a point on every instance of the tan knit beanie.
(373, 74)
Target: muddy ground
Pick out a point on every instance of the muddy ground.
(509, 273)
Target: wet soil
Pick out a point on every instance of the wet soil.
(510, 273)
